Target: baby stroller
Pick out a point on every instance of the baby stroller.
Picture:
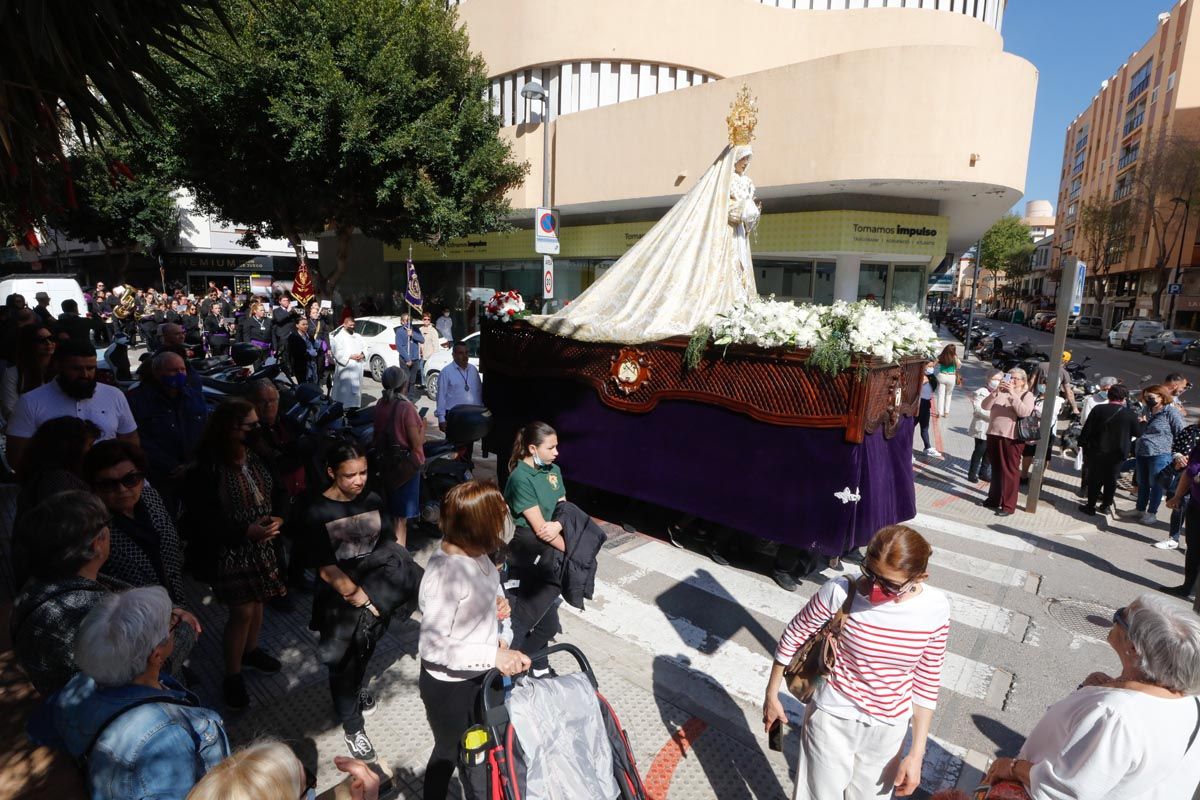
(495, 766)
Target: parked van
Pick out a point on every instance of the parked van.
(59, 287)
(1086, 328)
(1133, 333)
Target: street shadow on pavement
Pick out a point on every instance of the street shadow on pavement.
(735, 767)
(1058, 547)
(722, 621)
(1007, 740)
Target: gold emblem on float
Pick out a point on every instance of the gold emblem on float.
(630, 369)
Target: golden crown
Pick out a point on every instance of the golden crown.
(743, 116)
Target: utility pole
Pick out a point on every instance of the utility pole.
(1066, 299)
(974, 289)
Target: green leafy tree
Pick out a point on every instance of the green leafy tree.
(87, 66)
(342, 115)
(118, 197)
(1166, 184)
(1103, 230)
(1006, 249)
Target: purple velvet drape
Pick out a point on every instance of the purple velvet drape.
(775, 482)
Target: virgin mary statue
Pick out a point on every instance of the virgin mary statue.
(692, 265)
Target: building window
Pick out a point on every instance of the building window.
(1076, 186)
(1140, 81)
(1134, 118)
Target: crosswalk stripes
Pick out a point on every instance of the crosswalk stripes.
(742, 672)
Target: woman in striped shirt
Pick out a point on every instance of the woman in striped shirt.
(888, 668)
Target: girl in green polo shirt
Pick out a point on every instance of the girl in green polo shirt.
(534, 488)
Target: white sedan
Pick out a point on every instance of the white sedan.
(379, 343)
(443, 359)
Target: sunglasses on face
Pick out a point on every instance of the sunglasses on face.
(887, 586)
(1121, 617)
(127, 481)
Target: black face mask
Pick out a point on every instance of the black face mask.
(79, 390)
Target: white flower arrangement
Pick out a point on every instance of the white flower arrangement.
(505, 306)
(834, 333)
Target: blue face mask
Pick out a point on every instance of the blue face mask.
(537, 462)
(176, 381)
(1041, 389)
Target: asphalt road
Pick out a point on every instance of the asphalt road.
(1129, 366)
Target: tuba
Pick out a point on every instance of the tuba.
(125, 306)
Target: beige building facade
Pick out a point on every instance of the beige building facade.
(891, 134)
(1154, 94)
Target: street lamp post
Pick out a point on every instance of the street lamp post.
(535, 91)
(1187, 209)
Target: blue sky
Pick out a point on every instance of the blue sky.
(1075, 44)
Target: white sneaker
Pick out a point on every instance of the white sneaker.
(1148, 519)
(1167, 544)
(933, 453)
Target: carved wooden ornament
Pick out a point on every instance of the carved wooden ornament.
(630, 369)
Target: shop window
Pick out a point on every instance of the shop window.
(872, 282)
(908, 286)
(823, 282)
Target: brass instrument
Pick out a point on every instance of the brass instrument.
(125, 307)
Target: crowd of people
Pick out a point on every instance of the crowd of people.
(127, 498)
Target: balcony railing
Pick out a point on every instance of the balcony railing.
(1128, 159)
(1075, 190)
(1078, 168)
(1079, 145)
(1137, 90)
(1134, 123)
(1123, 191)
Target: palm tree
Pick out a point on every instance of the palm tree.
(66, 64)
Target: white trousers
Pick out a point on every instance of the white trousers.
(945, 387)
(844, 759)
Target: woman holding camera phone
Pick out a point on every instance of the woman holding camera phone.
(233, 496)
(1009, 402)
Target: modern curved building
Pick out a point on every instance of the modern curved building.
(891, 134)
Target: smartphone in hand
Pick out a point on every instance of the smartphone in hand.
(775, 736)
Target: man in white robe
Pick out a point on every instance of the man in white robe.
(348, 356)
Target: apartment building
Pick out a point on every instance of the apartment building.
(1155, 94)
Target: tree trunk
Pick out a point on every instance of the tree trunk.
(1164, 275)
(345, 233)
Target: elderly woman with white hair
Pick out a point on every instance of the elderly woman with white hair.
(139, 733)
(1129, 736)
(269, 770)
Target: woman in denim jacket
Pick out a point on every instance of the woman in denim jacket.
(1153, 449)
(139, 733)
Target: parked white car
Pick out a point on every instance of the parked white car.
(59, 287)
(379, 343)
(1132, 334)
(443, 359)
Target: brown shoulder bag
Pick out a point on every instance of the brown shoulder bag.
(815, 658)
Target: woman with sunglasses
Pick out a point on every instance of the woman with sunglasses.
(886, 677)
(145, 548)
(33, 367)
(1007, 403)
(234, 510)
(1133, 735)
